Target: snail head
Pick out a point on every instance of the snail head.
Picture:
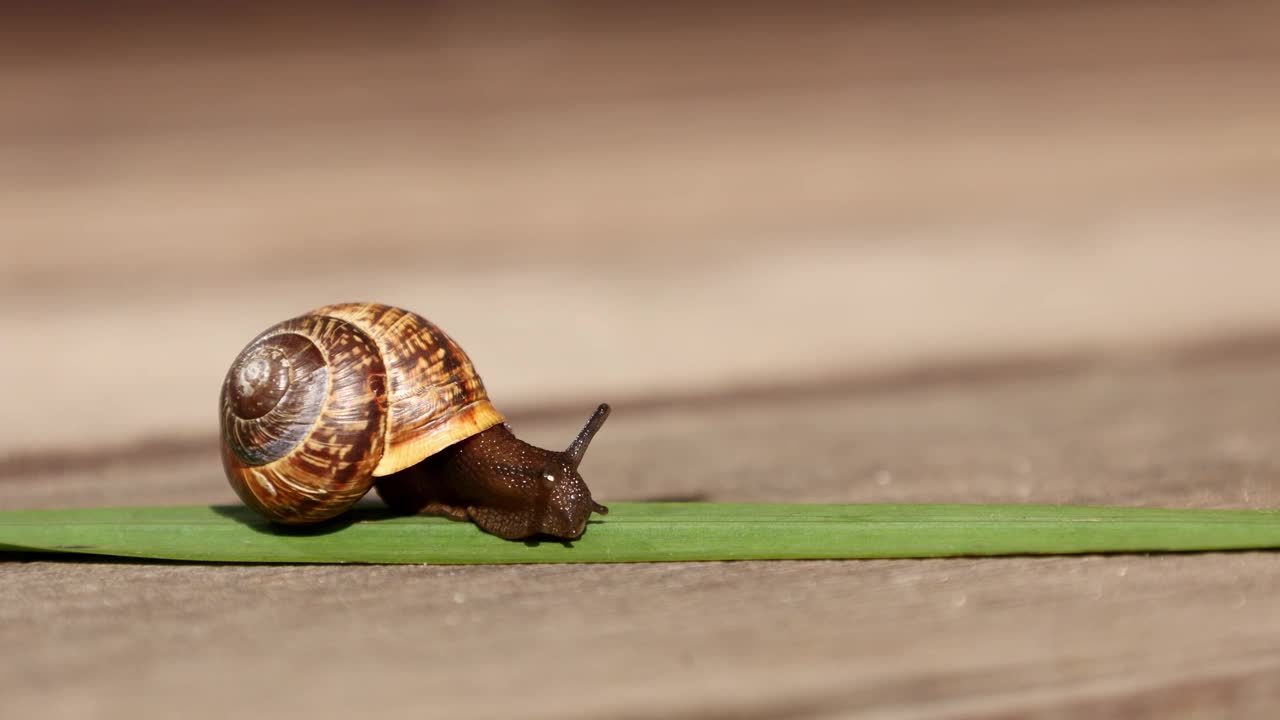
(532, 491)
(506, 486)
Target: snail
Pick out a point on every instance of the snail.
(318, 409)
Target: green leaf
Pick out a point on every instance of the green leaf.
(644, 532)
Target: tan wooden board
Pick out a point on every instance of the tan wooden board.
(1185, 636)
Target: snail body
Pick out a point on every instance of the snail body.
(319, 409)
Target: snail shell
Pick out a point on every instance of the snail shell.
(316, 407)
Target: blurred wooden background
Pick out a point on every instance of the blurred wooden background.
(794, 246)
(645, 189)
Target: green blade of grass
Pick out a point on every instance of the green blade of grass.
(645, 532)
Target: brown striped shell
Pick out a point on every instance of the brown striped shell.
(316, 407)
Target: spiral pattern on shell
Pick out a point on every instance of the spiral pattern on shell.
(316, 407)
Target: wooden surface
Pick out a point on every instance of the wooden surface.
(899, 252)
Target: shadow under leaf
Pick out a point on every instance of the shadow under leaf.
(251, 519)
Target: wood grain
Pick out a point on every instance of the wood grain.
(894, 187)
(964, 638)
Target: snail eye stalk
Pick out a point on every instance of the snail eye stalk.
(579, 446)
